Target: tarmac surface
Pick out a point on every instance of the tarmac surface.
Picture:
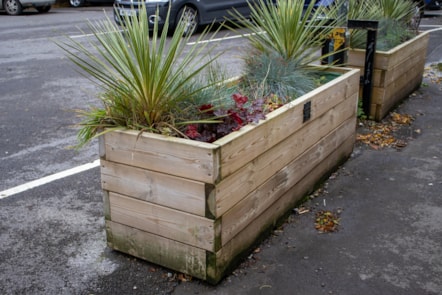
(388, 241)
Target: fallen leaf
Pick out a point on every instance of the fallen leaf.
(403, 119)
(184, 278)
(326, 221)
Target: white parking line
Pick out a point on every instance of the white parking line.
(218, 39)
(90, 35)
(224, 38)
(430, 26)
(47, 179)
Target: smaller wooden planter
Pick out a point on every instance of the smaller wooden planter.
(197, 207)
(397, 73)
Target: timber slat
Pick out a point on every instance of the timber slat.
(154, 187)
(160, 250)
(166, 154)
(385, 60)
(396, 73)
(398, 92)
(241, 147)
(169, 223)
(413, 65)
(253, 233)
(265, 195)
(235, 187)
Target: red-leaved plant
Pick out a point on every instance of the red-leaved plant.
(241, 113)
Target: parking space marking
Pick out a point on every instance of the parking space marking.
(47, 179)
(89, 35)
(218, 39)
(430, 26)
(224, 38)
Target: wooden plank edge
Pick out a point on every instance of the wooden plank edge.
(162, 221)
(154, 187)
(321, 99)
(258, 200)
(356, 57)
(236, 187)
(156, 249)
(134, 149)
(230, 256)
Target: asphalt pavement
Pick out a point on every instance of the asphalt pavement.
(388, 240)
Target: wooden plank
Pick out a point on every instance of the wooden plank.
(154, 187)
(169, 223)
(176, 156)
(165, 252)
(244, 212)
(399, 88)
(400, 94)
(241, 147)
(381, 78)
(403, 51)
(106, 205)
(238, 185)
(413, 65)
(240, 245)
(385, 98)
(385, 60)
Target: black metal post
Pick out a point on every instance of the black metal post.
(367, 83)
(370, 49)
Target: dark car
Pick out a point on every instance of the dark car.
(433, 4)
(197, 12)
(79, 3)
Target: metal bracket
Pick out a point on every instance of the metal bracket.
(307, 111)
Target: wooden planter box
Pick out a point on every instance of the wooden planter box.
(397, 73)
(197, 207)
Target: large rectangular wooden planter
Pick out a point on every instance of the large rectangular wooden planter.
(397, 73)
(198, 207)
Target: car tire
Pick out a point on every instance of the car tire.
(43, 9)
(189, 16)
(76, 3)
(12, 7)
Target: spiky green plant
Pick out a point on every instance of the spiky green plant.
(285, 39)
(144, 76)
(287, 29)
(396, 21)
(403, 10)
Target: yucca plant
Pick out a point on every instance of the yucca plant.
(398, 10)
(285, 39)
(397, 21)
(145, 78)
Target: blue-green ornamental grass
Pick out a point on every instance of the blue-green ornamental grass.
(284, 43)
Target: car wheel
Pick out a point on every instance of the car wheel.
(189, 16)
(43, 9)
(13, 7)
(76, 3)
